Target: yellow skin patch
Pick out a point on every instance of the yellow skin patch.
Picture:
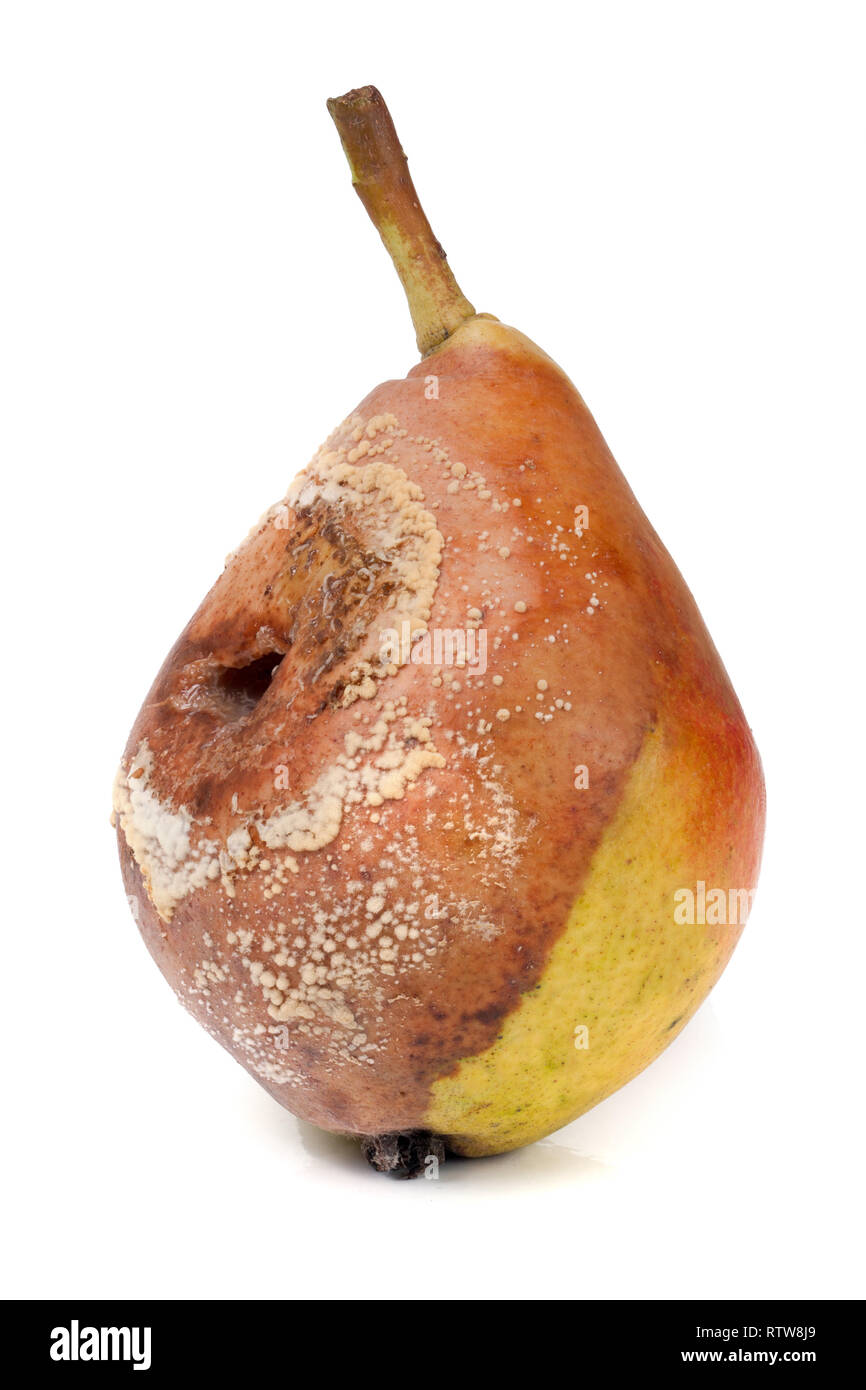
(622, 969)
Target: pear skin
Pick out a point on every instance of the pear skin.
(442, 815)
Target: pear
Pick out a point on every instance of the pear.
(442, 815)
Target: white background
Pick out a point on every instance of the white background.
(669, 199)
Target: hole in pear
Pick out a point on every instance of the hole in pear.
(242, 687)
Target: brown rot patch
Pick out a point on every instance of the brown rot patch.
(490, 1015)
(331, 586)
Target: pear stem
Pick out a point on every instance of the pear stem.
(382, 181)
